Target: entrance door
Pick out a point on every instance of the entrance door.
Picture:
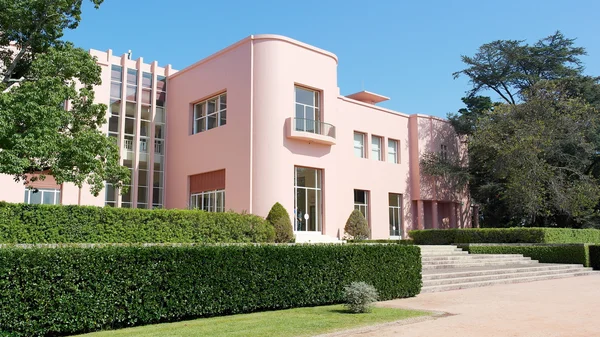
(308, 209)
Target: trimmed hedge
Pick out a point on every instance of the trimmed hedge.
(595, 257)
(398, 241)
(49, 292)
(504, 235)
(21, 223)
(565, 253)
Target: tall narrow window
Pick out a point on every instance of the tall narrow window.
(210, 114)
(392, 155)
(361, 202)
(376, 152)
(444, 152)
(359, 144)
(395, 201)
(308, 200)
(308, 112)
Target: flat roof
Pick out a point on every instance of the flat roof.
(368, 97)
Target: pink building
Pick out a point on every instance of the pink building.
(263, 121)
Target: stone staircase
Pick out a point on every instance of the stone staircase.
(450, 268)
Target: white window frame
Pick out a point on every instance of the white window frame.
(392, 153)
(197, 200)
(364, 208)
(203, 115)
(397, 215)
(360, 148)
(309, 124)
(43, 191)
(318, 189)
(376, 152)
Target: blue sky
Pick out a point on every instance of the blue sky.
(406, 50)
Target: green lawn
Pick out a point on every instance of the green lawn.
(292, 322)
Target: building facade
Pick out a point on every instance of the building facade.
(263, 121)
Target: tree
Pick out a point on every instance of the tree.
(508, 67)
(357, 226)
(279, 218)
(38, 133)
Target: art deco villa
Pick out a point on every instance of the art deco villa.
(259, 122)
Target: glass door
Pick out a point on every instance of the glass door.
(308, 209)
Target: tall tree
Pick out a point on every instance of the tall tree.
(48, 119)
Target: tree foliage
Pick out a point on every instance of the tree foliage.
(357, 226)
(48, 119)
(279, 218)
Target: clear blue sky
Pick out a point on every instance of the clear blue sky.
(406, 50)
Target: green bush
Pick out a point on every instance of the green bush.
(359, 297)
(504, 235)
(567, 253)
(594, 257)
(357, 226)
(279, 218)
(401, 242)
(50, 292)
(21, 223)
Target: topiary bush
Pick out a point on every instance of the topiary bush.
(359, 297)
(62, 291)
(357, 226)
(279, 218)
(22, 223)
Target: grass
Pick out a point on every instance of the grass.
(292, 322)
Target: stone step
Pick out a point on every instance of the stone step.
(478, 264)
(458, 253)
(470, 279)
(457, 286)
(470, 257)
(500, 270)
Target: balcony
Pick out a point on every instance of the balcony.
(310, 130)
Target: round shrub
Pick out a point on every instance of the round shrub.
(359, 297)
(280, 219)
(357, 226)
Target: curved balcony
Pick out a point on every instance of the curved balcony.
(310, 130)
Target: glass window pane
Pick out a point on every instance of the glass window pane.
(199, 110)
(129, 126)
(359, 197)
(110, 194)
(159, 146)
(160, 98)
(147, 80)
(26, 199)
(223, 119)
(146, 96)
(159, 131)
(131, 93)
(142, 194)
(145, 129)
(305, 96)
(211, 106)
(160, 115)
(116, 72)
(161, 83)
(35, 198)
(211, 121)
(146, 113)
(223, 101)
(132, 76)
(130, 109)
(200, 125)
(47, 197)
(142, 178)
(157, 197)
(113, 124)
(115, 90)
(157, 179)
(115, 107)
(57, 194)
(300, 111)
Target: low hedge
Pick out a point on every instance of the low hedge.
(595, 257)
(398, 241)
(21, 223)
(554, 253)
(504, 235)
(51, 292)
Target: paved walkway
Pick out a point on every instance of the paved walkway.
(567, 307)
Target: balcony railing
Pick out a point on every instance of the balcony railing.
(314, 126)
(158, 146)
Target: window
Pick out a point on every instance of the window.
(210, 201)
(395, 201)
(308, 201)
(308, 112)
(359, 144)
(46, 196)
(376, 152)
(361, 202)
(444, 152)
(392, 156)
(210, 114)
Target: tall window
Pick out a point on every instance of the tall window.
(210, 201)
(444, 152)
(376, 152)
(308, 112)
(392, 155)
(46, 196)
(361, 202)
(395, 201)
(359, 144)
(308, 201)
(210, 114)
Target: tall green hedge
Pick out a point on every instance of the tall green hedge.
(565, 253)
(504, 235)
(49, 292)
(21, 223)
(595, 257)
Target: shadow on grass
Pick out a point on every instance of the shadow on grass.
(345, 311)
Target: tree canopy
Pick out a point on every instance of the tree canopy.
(48, 119)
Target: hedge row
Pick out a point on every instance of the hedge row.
(398, 241)
(21, 223)
(595, 257)
(504, 235)
(50, 292)
(566, 253)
